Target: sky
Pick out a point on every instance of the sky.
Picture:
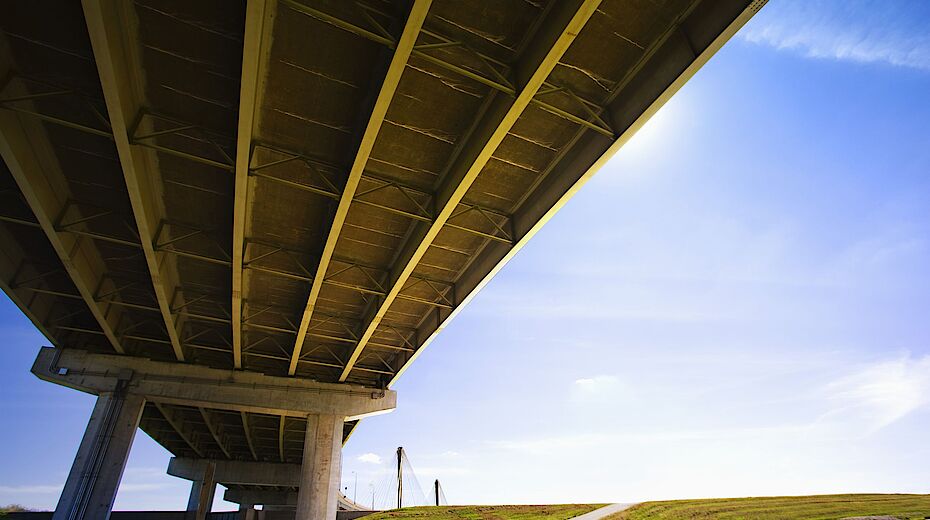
(736, 304)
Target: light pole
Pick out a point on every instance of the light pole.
(355, 489)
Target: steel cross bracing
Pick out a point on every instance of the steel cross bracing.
(126, 332)
(320, 180)
(195, 143)
(219, 434)
(489, 132)
(24, 104)
(219, 256)
(301, 272)
(221, 315)
(115, 297)
(75, 218)
(39, 280)
(192, 142)
(24, 144)
(485, 69)
(598, 112)
(212, 151)
(402, 47)
(322, 177)
(181, 139)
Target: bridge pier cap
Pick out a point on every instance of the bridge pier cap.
(123, 384)
(199, 386)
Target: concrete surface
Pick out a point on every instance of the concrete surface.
(94, 478)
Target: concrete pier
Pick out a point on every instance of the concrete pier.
(98, 467)
(124, 384)
(203, 489)
(322, 466)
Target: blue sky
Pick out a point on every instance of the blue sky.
(735, 305)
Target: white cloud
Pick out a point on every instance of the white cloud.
(134, 472)
(880, 394)
(867, 31)
(597, 385)
(601, 393)
(32, 489)
(442, 471)
(143, 487)
(369, 458)
(604, 443)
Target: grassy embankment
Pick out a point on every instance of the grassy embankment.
(550, 512)
(823, 507)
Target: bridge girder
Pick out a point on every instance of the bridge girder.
(27, 152)
(402, 50)
(111, 37)
(257, 42)
(569, 19)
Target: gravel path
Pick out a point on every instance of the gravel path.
(604, 511)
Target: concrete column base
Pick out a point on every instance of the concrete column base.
(98, 466)
(322, 467)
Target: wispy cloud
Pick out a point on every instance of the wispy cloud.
(596, 386)
(860, 402)
(444, 470)
(863, 31)
(369, 458)
(144, 487)
(602, 441)
(38, 489)
(882, 393)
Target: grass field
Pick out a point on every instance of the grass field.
(823, 507)
(550, 512)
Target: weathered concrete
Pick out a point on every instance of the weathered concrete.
(98, 467)
(192, 385)
(326, 407)
(203, 489)
(238, 472)
(266, 497)
(322, 466)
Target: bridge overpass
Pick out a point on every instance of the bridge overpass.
(239, 222)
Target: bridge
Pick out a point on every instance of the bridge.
(240, 222)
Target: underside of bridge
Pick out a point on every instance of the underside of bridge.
(302, 189)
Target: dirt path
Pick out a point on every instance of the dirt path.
(604, 511)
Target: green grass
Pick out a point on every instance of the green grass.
(823, 507)
(550, 512)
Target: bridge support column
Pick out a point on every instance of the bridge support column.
(98, 466)
(200, 501)
(322, 467)
(325, 405)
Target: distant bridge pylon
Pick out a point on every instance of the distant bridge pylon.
(399, 486)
